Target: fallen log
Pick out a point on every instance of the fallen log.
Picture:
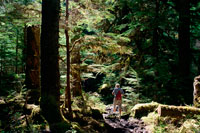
(140, 110)
(177, 111)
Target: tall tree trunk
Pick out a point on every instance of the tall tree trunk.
(1, 66)
(155, 30)
(184, 53)
(75, 62)
(25, 45)
(198, 65)
(16, 56)
(50, 76)
(184, 37)
(33, 64)
(67, 91)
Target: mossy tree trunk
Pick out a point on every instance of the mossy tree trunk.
(33, 64)
(75, 63)
(196, 93)
(50, 76)
(68, 90)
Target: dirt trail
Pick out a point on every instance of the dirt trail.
(123, 125)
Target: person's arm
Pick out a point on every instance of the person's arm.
(122, 92)
(113, 92)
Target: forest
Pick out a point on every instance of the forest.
(62, 60)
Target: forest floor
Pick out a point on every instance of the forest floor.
(125, 124)
(90, 116)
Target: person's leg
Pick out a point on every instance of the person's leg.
(120, 108)
(114, 105)
(120, 111)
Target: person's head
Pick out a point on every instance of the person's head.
(117, 85)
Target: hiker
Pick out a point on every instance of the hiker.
(118, 93)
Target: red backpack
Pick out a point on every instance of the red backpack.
(119, 95)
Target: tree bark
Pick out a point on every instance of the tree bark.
(75, 62)
(50, 76)
(33, 64)
(67, 91)
(198, 65)
(25, 45)
(155, 30)
(196, 93)
(184, 37)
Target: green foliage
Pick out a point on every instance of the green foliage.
(12, 83)
(94, 101)
(14, 15)
(157, 75)
(160, 128)
(116, 41)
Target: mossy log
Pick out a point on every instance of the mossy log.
(196, 93)
(140, 110)
(177, 111)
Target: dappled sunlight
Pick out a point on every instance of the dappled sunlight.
(99, 66)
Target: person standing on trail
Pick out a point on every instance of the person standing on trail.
(118, 93)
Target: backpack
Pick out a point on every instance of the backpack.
(119, 95)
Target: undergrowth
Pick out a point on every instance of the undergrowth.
(157, 124)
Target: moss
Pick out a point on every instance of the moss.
(151, 118)
(140, 110)
(77, 127)
(190, 125)
(50, 109)
(95, 102)
(177, 111)
(157, 124)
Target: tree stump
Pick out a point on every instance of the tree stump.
(196, 93)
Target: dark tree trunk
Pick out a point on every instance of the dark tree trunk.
(184, 37)
(155, 30)
(67, 91)
(33, 64)
(184, 54)
(75, 62)
(198, 65)
(50, 76)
